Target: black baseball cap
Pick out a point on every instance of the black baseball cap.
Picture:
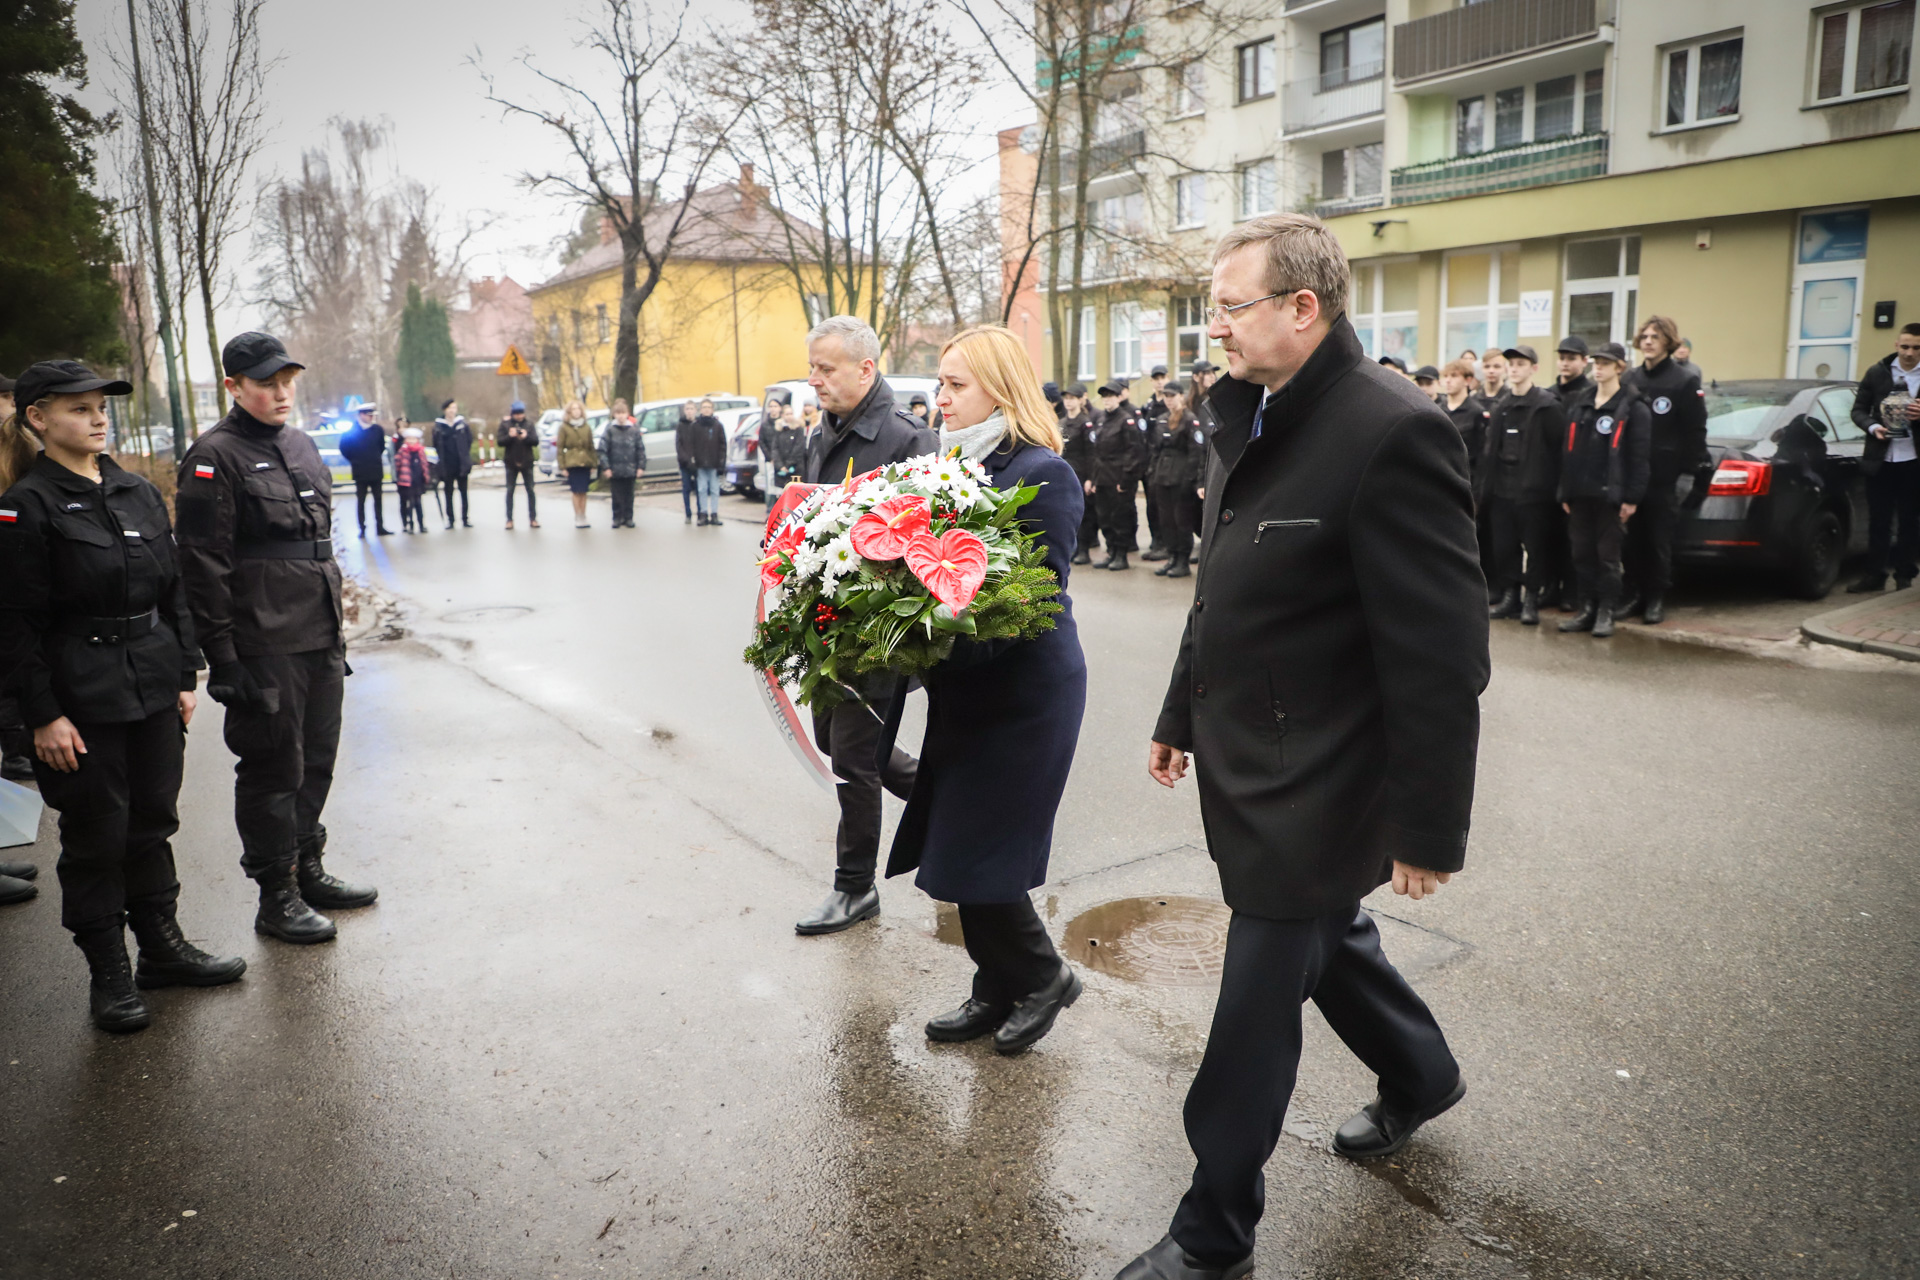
(1427, 372)
(256, 355)
(1205, 366)
(1573, 345)
(1159, 371)
(1077, 389)
(1114, 389)
(6, 385)
(1522, 353)
(1611, 351)
(63, 378)
(918, 397)
(1174, 385)
(1394, 362)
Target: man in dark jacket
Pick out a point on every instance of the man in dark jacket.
(1076, 436)
(1174, 478)
(1575, 382)
(453, 442)
(623, 460)
(706, 444)
(1119, 464)
(253, 515)
(1677, 407)
(861, 427)
(1328, 688)
(1603, 476)
(364, 446)
(1890, 464)
(519, 442)
(1525, 433)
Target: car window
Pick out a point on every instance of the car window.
(1742, 415)
(1837, 402)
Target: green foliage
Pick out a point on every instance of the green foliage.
(426, 356)
(56, 248)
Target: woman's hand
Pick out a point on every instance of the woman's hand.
(59, 746)
(188, 701)
(1089, 488)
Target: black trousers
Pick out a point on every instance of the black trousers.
(1119, 516)
(1179, 515)
(849, 733)
(412, 514)
(1010, 949)
(1893, 506)
(1515, 528)
(1156, 517)
(118, 812)
(621, 487)
(286, 753)
(447, 485)
(1562, 574)
(686, 488)
(1594, 527)
(525, 475)
(1239, 1097)
(1089, 525)
(361, 488)
(15, 738)
(1648, 555)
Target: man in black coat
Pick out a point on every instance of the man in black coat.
(519, 442)
(1891, 466)
(1119, 464)
(1076, 436)
(1678, 408)
(453, 442)
(364, 446)
(861, 427)
(1328, 685)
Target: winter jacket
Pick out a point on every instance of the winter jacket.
(1875, 385)
(1524, 435)
(575, 445)
(1120, 446)
(453, 441)
(683, 442)
(1572, 393)
(623, 449)
(1606, 450)
(785, 449)
(877, 432)
(365, 449)
(517, 451)
(1470, 420)
(1182, 458)
(411, 469)
(1678, 408)
(1076, 435)
(707, 441)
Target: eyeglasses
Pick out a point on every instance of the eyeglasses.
(1219, 314)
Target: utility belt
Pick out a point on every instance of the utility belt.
(262, 549)
(107, 630)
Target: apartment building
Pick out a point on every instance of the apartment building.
(1516, 170)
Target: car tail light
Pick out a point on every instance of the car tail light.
(1738, 478)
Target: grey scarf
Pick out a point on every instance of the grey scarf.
(975, 442)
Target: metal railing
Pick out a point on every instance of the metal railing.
(1351, 204)
(1103, 157)
(1532, 164)
(1309, 104)
(1490, 31)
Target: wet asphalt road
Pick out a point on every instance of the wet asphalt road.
(577, 1035)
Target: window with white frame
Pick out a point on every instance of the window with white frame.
(1124, 319)
(1862, 49)
(1352, 54)
(1089, 346)
(1259, 188)
(1351, 173)
(1702, 81)
(1255, 75)
(1563, 107)
(1189, 89)
(1602, 289)
(1190, 200)
(1189, 331)
(1480, 299)
(1385, 308)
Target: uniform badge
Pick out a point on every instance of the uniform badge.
(130, 533)
(1662, 404)
(1604, 425)
(261, 466)
(203, 470)
(75, 506)
(9, 517)
(1199, 437)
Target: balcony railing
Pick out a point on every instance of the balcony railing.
(1324, 100)
(1351, 204)
(1489, 31)
(1103, 157)
(1533, 164)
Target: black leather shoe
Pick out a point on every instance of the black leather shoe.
(1118, 560)
(322, 890)
(1081, 557)
(840, 911)
(16, 769)
(13, 889)
(112, 998)
(1033, 1017)
(1168, 1261)
(1179, 568)
(1156, 553)
(969, 1022)
(19, 870)
(1380, 1130)
(1507, 606)
(1872, 582)
(1603, 622)
(167, 959)
(1530, 608)
(285, 915)
(384, 533)
(1581, 621)
(1656, 611)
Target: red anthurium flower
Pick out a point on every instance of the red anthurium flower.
(883, 533)
(773, 568)
(953, 566)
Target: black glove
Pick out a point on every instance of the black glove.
(231, 685)
(1697, 496)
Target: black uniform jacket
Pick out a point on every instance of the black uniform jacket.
(1182, 457)
(877, 432)
(93, 623)
(254, 515)
(1470, 420)
(1572, 393)
(453, 441)
(1329, 679)
(1525, 437)
(1076, 436)
(365, 448)
(1120, 446)
(517, 451)
(1875, 385)
(1677, 408)
(1606, 451)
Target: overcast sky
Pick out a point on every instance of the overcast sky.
(411, 62)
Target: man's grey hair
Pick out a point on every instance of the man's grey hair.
(1301, 254)
(857, 337)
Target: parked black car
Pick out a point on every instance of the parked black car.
(1787, 491)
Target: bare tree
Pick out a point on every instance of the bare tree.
(640, 141)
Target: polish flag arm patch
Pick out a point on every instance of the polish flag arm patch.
(9, 517)
(203, 470)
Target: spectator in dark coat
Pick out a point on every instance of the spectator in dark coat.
(707, 446)
(1891, 465)
(683, 454)
(453, 442)
(1076, 435)
(364, 446)
(785, 447)
(1677, 407)
(623, 459)
(519, 442)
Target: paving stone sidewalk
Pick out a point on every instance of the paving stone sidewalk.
(1887, 623)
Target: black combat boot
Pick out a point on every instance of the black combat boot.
(1602, 622)
(1080, 556)
(1118, 560)
(1180, 568)
(167, 959)
(1530, 607)
(323, 890)
(1656, 611)
(1156, 552)
(1627, 607)
(113, 999)
(285, 915)
(1507, 606)
(1582, 621)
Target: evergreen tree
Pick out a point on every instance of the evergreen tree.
(426, 356)
(56, 248)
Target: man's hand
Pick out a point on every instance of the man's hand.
(1166, 764)
(1880, 433)
(59, 746)
(606, 473)
(231, 685)
(1202, 492)
(188, 701)
(1089, 488)
(1913, 410)
(1418, 882)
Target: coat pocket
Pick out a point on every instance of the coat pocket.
(1267, 526)
(271, 510)
(77, 529)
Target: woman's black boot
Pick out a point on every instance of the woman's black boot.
(113, 999)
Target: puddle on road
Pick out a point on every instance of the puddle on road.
(488, 613)
(1163, 942)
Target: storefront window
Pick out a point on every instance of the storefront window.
(1386, 308)
(1481, 300)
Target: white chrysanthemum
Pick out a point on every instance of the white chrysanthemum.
(807, 562)
(839, 559)
(964, 494)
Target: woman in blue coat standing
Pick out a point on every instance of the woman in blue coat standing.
(1003, 718)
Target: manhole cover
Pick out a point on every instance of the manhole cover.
(1168, 942)
(488, 613)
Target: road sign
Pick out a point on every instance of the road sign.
(513, 364)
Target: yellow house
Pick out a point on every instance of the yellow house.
(728, 314)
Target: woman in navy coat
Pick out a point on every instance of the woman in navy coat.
(1003, 717)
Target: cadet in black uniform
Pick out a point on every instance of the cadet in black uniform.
(99, 646)
(255, 515)
(1155, 414)
(1076, 434)
(1177, 472)
(1524, 441)
(1119, 462)
(1602, 477)
(1573, 384)
(1677, 408)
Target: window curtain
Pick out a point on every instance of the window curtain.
(1719, 80)
(1886, 46)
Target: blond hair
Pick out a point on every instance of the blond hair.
(19, 445)
(1000, 362)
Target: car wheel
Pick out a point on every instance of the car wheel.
(1817, 566)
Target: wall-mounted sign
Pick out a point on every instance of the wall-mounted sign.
(1536, 313)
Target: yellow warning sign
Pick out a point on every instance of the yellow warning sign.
(513, 364)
